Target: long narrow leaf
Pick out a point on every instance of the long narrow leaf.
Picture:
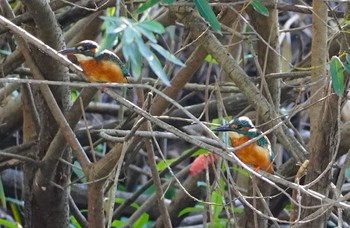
(8, 224)
(148, 34)
(168, 1)
(2, 195)
(153, 61)
(260, 8)
(133, 57)
(167, 55)
(207, 12)
(152, 26)
(190, 210)
(148, 4)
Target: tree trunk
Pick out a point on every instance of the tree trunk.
(46, 204)
(323, 117)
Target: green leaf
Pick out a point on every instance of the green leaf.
(117, 223)
(168, 1)
(189, 210)
(153, 26)
(148, 4)
(207, 12)
(107, 42)
(157, 68)
(337, 75)
(153, 61)
(133, 57)
(129, 36)
(210, 59)
(167, 55)
(15, 212)
(163, 164)
(78, 171)
(74, 221)
(140, 222)
(238, 169)
(8, 224)
(216, 198)
(111, 24)
(347, 174)
(150, 36)
(2, 195)
(199, 152)
(260, 8)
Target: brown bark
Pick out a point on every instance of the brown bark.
(47, 206)
(183, 200)
(323, 117)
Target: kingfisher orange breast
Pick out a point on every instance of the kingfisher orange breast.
(251, 154)
(102, 71)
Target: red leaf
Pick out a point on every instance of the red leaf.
(202, 162)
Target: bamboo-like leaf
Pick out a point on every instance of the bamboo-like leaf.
(207, 12)
(260, 8)
(153, 61)
(133, 57)
(148, 34)
(337, 75)
(216, 198)
(8, 224)
(164, 164)
(2, 195)
(167, 55)
(347, 173)
(168, 1)
(152, 26)
(148, 4)
(142, 220)
(189, 210)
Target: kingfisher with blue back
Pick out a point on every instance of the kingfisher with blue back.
(258, 153)
(98, 67)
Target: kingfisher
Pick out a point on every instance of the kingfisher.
(258, 153)
(98, 67)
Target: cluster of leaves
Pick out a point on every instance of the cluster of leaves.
(136, 35)
(134, 47)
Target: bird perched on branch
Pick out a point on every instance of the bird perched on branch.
(257, 153)
(241, 130)
(98, 67)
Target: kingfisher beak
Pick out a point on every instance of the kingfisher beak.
(223, 128)
(68, 51)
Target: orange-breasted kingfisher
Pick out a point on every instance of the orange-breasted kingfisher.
(258, 153)
(98, 67)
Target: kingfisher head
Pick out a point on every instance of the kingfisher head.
(84, 50)
(239, 125)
